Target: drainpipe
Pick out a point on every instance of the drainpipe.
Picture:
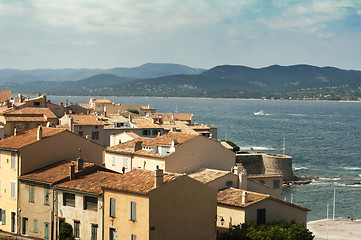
(52, 213)
(103, 215)
(17, 197)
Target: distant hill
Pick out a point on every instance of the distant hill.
(149, 70)
(298, 81)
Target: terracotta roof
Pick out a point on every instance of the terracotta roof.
(29, 114)
(29, 137)
(264, 176)
(166, 139)
(179, 125)
(100, 101)
(200, 127)
(5, 95)
(54, 172)
(177, 116)
(145, 123)
(147, 107)
(126, 147)
(86, 120)
(84, 105)
(233, 197)
(206, 175)
(91, 182)
(132, 134)
(138, 181)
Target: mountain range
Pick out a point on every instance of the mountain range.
(154, 79)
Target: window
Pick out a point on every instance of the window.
(112, 208)
(76, 228)
(133, 211)
(3, 216)
(154, 132)
(95, 135)
(125, 162)
(133, 237)
(36, 103)
(61, 221)
(46, 196)
(12, 190)
(35, 225)
(69, 199)
(25, 226)
(81, 133)
(46, 230)
(13, 161)
(146, 132)
(276, 184)
(112, 234)
(94, 230)
(90, 203)
(31, 193)
(27, 126)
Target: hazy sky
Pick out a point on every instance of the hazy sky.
(197, 33)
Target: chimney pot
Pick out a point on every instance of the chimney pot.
(79, 164)
(15, 132)
(39, 133)
(158, 177)
(72, 172)
(244, 197)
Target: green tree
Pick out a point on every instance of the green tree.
(66, 232)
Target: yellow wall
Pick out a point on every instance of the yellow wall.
(231, 216)
(121, 222)
(63, 146)
(275, 192)
(35, 210)
(183, 209)
(7, 175)
(199, 152)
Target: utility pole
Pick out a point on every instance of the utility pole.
(334, 204)
(327, 223)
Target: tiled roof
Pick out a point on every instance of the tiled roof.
(30, 114)
(84, 105)
(132, 134)
(200, 127)
(54, 172)
(206, 175)
(147, 108)
(5, 95)
(166, 139)
(233, 197)
(138, 181)
(86, 120)
(179, 125)
(100, 101)
(264, 176)
(126, 147)
(145, 123)
(177, 116)
(27, 138)
(91, 182)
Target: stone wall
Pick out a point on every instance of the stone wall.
(264, 163)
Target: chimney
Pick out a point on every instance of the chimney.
(39, 133)
(158, 177)
(244, 197)
(174, 143)
(79, 164)
(130, 118)
(105, 111)
(72, 172)
(15, 132)
(138, 146)
(61, 103)
(242, 176)
(71, 124)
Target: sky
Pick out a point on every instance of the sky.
(198, 33)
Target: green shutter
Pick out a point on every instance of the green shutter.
(46, 230)
(35, 225)
(3, 216)
(31, 193)
(133, 211)
(112, 207)
(46, 196)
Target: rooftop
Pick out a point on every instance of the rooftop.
(29, 114)
(145, 123)
(166, 139)
(86, 120)
(175, 116)
(206, 175)
(54, 172)
(29, 137)
(138, 181)
(5, 95)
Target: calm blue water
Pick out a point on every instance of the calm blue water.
(323, 138)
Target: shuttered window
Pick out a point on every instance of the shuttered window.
(31, 193)
(46, 196)
(46, 230)
(13, 161)
(35, 225)
(69, 199)
(90, 203)
(112, 208)
(133, 237)
(76, 229)
(12, 190)
(3, 216)
(133, 211)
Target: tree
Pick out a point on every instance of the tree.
(275, 231)
(66, 232)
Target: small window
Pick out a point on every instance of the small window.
(69, 199)
(35, 225)
(154, 132)
(95, 135)
(36, 103)
(2, 216)
(90, 203)
(133, 211)
(133, 237)
(31, 193)
(76, 228)
(46, 196)
(81, 133)
(13, 161)
(94, 231)
(12, 190)
(276, 184)
(112, 208)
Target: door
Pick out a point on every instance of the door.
(25, 226)
(112, 234)
(13, 219)
(261, 216)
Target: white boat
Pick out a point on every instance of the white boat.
(259, 113)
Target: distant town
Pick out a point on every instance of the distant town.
(124, 171)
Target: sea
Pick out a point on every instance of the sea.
(323, 137)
